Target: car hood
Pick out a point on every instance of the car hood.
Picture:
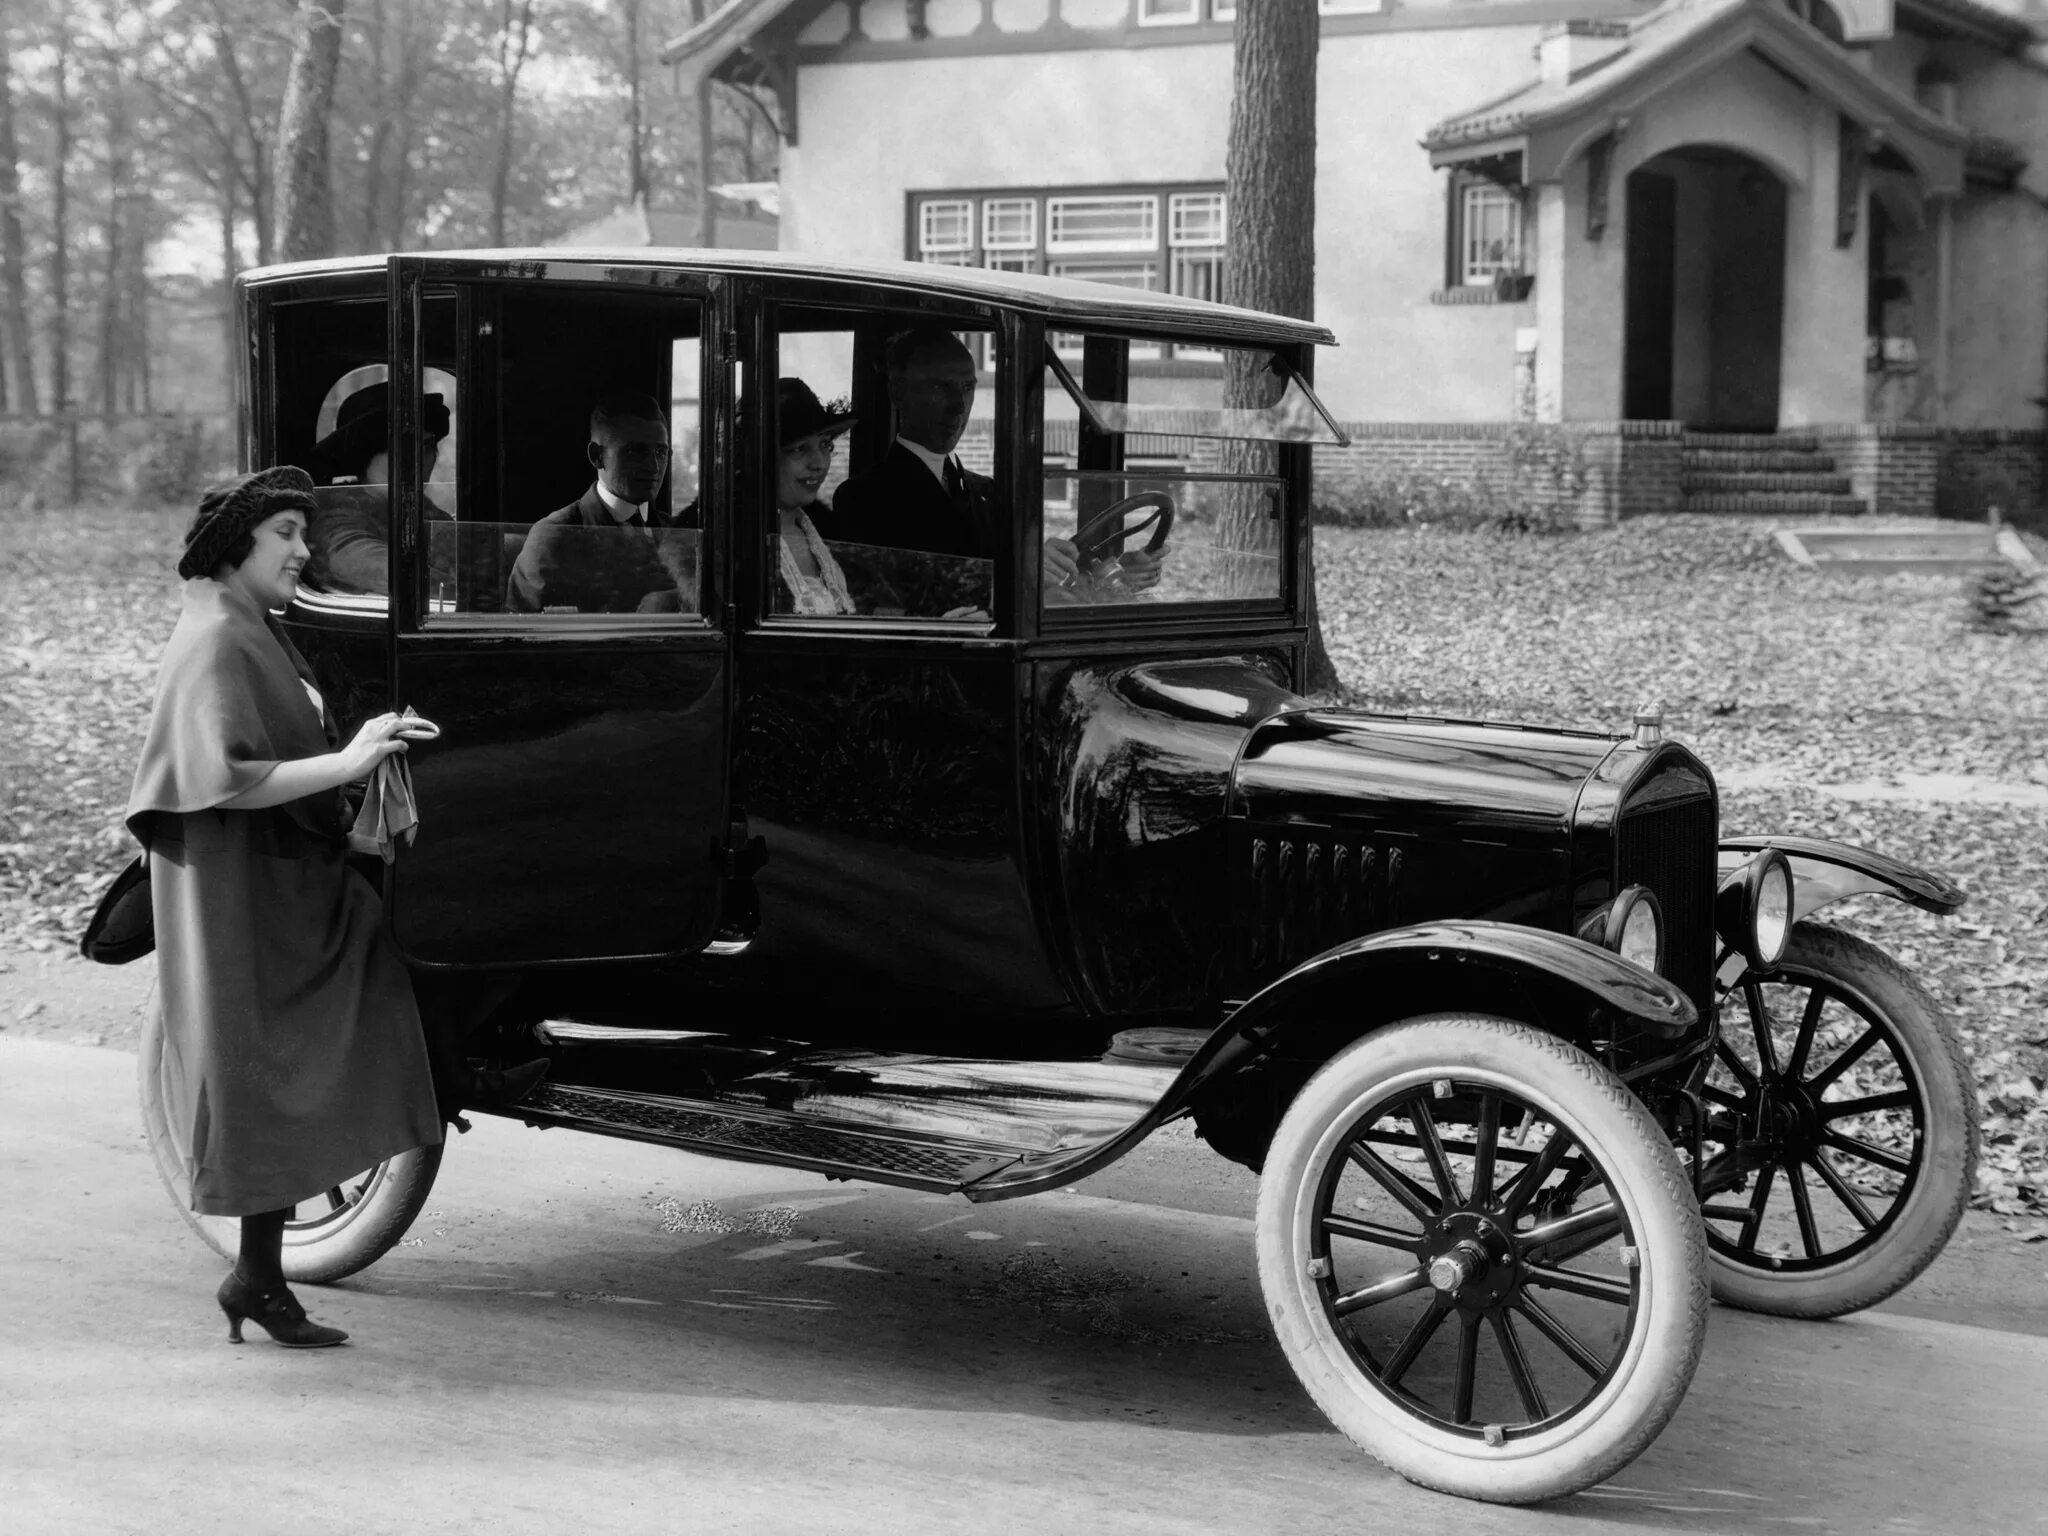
(1414, 775)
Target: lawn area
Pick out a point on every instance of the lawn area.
(1791, 684)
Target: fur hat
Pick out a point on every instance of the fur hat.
(234, 507)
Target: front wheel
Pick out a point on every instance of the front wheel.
(1842, 1131)
(340, 1231)
(1482, 1258)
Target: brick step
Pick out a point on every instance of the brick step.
(1737, 461)
(1778, 504)
(1755, 442)
(1809, 484)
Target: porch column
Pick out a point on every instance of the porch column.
(1551, 229)
(1944, 299)
(1826, 288)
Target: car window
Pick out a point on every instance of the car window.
(879, 498)
(578, 486)
(1162, 475)
(330, 416)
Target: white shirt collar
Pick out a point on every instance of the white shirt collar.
(622, 511)
(935, 462)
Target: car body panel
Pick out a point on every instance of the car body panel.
(1825, 871)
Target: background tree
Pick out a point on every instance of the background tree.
(515, 47)
(1270, 171)
(305, 203)
(20, 374)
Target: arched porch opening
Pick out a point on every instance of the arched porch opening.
(1705, 301)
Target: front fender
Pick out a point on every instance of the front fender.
(1825, 871)
(1393, 974)
(1529, 958)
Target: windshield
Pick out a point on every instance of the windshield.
(1244, 396)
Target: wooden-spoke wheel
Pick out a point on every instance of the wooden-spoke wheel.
(1841, 1131)
(1483, 1258)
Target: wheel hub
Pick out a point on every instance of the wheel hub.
(1469, 1259)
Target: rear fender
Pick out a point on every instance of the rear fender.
(1824, 871)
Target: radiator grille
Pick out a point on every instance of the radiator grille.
(1670, 848)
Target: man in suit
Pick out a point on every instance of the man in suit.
(611, 550)
(922, 497)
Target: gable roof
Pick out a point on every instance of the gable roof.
(1550, 122)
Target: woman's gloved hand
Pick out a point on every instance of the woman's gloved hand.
(375, 740)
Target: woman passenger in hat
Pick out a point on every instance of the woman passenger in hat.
(808, 579)
(284, 1049)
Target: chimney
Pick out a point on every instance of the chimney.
(1565, 47)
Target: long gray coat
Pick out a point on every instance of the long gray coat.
(283, 1053)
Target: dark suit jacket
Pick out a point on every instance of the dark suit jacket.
(578, 557)
(901, 505)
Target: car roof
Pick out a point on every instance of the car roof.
(1064, 298)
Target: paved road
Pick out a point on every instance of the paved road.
(591, 1336)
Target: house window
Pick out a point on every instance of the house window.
(1095, 223)
(1154, 238)
(1009, 224)
(1351, 7)
(944, 226)
(1223, 10)
(1169, 13)
(1488, 233)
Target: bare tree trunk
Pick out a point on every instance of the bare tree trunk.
(111, 329)
(1271, 170)
(305, 204)
(255, 177)
(230, 264)
(371, 232)
(60, 234)
(515, 44)
(636, 148)
(13, 253)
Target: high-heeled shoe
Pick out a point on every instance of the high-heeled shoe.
(275, 1310)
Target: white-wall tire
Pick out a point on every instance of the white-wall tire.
(1642, 1279)
(343, 1230)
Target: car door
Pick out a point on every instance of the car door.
(574, 806)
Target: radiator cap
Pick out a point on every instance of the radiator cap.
(1649, 725)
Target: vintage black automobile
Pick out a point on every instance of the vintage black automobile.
(972, 876)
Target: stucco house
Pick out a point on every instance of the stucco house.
(1743, 254)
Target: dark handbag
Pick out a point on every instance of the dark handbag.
(123, 925)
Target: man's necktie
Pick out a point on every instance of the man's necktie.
(956, 484)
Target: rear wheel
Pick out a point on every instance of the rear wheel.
(1482, 1258)
(342, 1230)
(1842, 1131)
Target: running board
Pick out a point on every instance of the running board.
(758, 1135)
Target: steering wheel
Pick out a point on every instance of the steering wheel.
(1105, 528)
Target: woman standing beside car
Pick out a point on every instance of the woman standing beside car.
(284, 1049)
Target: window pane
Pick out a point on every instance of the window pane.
(1223, 10)
(1102, 223)
(1492, 239)
(1162, 13)
(586, 493)
(1199, 276)
(1195, 218)
(1009, 224)
(859, 524)
(945, 224)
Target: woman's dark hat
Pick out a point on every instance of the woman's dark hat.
(798, 414)
(362, 430)
(232, 508)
